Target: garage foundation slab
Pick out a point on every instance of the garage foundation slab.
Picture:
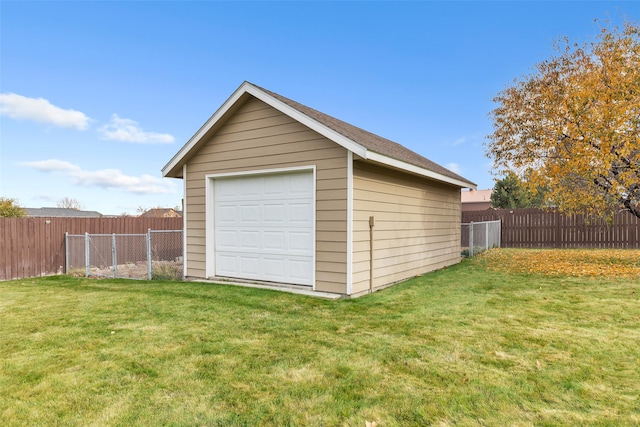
(292, 289)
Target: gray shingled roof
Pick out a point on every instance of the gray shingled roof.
(61, 212)
(367, 139)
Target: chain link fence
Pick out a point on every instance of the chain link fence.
(155, 255)
(478, 237)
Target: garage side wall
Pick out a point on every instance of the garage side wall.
(259, 137)
(417, 225)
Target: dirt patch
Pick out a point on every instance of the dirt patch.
(160, 270)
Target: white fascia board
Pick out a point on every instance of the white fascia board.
(399, 164)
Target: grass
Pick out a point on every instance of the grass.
(467, 345)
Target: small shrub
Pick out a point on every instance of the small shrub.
(476, 251)
(77, 272)
(160, 271)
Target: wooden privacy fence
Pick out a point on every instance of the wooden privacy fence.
(540, 228)
(31, 247)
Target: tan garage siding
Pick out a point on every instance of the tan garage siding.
(259, 137)
(417, 225)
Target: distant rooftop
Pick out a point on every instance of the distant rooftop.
(61, 212)
(476, 196)
(161, 213)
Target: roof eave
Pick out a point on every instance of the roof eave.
(399, 164)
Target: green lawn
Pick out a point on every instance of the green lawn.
(467, 345)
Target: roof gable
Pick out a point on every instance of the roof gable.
(359, 141)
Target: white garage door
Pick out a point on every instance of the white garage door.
(264, 227)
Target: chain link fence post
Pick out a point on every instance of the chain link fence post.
(87, 261)
(149, 260)
(66, 252)
(114, 255)
(486, 233)
(476, 239)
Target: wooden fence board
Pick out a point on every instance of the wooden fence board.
(31, 247)
(540, 228)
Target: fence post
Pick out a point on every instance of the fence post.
(558, 242)
(66, 252)
(114, 255)
(470, 239)
(486, 235)
(87, 260)
(149, 254)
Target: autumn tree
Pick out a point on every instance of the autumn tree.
(69, 203)
(9, 208)
(573, 126)
(511, 193)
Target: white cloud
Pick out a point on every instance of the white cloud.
(105, 178)
(53, 165)
(459, 141)
(454, 167)
(41, 110)
(127, 130)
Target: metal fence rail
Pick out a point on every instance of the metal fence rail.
(154, 255)
(478, 237)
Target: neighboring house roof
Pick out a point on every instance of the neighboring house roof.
(359, 141)
(61, 212)
(161, 213)
(476, 196)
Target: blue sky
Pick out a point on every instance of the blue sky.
(96, 97)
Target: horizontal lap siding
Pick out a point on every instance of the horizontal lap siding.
(417, 225)
(259, 137)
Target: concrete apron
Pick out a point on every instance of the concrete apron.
(292, 289)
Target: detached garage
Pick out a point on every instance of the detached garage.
(277, 192)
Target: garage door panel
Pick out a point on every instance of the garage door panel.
(274, 268)
(301, 242)
(274, 214)
(249, 265)
(226, 214)
(298, 268)
(300, 214)
(274, 240)
(228, 191)
(226, 264)
(250, 187)
(300, 183)
(250, 214)
(264, 227)
(274, 185)
(250, 240)
(226, 239)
